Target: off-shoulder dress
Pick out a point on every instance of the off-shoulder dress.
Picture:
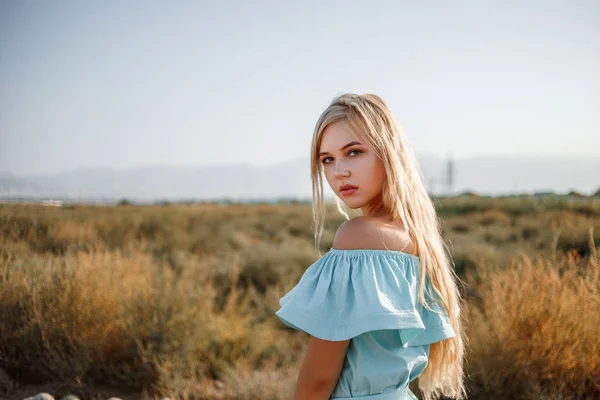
(371, 297)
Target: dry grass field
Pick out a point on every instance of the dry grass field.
(179, 300)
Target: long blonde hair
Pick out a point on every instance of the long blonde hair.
(405, 198)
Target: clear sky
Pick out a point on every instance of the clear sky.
(133, 83)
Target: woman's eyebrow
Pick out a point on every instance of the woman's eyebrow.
(348, 145)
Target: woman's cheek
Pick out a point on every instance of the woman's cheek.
(328, 176)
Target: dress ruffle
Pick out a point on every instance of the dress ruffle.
(349, 292)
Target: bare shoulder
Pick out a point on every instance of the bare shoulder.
(373, 233)
(350, 234)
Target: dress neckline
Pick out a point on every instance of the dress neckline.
(374, 251)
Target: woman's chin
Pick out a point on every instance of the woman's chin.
(352, 204)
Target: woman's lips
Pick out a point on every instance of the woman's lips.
(348, 192)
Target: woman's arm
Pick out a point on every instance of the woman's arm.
(320, 369)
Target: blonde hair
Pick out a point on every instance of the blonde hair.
(405, 198)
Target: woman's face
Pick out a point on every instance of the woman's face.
(346, 161)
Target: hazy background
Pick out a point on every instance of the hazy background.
(136, 101)
(102, 89)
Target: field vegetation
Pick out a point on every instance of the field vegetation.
(179, 300)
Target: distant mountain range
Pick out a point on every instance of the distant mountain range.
(484, 175)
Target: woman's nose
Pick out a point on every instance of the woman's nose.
(341, 172)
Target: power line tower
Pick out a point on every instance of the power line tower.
(450, 175)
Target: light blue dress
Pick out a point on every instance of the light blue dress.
(371, 297)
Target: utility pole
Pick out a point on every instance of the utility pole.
(450, 175)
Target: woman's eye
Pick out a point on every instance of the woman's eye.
(326, 159)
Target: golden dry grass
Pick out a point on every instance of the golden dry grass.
(534, 328)
(180, 300)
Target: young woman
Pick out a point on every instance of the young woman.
(377, 303)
